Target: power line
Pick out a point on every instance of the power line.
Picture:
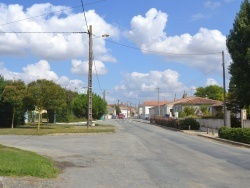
(176, 54)
(202, 76)
(84, 16)
(193, 81)
(41, 32)
(29, 18)
(97, 75)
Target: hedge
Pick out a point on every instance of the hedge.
(235, 134)
(175, 123)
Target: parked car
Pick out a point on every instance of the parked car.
(121, 116)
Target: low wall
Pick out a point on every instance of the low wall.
(211, 123)
(246, 124)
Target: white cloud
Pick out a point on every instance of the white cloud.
(40, 70)
(212, 5)
(148, 33)
(82, 67)
(47, 45)
(211, 81)
(199, 16)
(138, 85)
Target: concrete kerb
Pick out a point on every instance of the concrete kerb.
(204, 135)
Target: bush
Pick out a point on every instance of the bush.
(235, 134)
(185, 123)
(174, 123)
(168, 122)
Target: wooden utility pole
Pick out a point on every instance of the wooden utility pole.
(159, 112)
(89, 122)
(104, 95)
(224, 87)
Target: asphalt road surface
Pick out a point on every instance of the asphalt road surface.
(137, 155)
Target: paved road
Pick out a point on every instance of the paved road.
(138, 155)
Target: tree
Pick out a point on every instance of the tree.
(118, 110)
(46, 95)
(14, 94)
(66, 114)
(232, 100)
(5, 108)
(189, 110)
(238, 44)
(80, 106)
(212, 92)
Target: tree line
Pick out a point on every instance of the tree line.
(17, 98)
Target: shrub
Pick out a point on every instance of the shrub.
(235, 134)
(168, 122)
(189, 110)
(178, 124)
(185, 123)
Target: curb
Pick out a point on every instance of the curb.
(204, 136)
(226, 141)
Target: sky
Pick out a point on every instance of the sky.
(155, 49)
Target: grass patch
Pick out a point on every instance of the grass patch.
(16, 162)
(56, 129)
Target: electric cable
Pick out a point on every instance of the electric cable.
(29, 18)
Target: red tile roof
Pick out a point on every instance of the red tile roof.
(195, 100)
(154, 103)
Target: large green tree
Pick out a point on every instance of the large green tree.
(238, 44)
(5, 108)
(80, 106)
(46, 95)
(13, 94)
(66, 114)
(212, 92)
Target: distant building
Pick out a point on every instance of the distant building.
(145, 106)
(173, 108)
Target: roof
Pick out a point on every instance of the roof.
(154, 103)
(195, 101)
(217, 104)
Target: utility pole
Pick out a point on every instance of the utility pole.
(104, 95)
(224, 87)
(159, 113)
(89, 122)
(127, 108)
(130, 109)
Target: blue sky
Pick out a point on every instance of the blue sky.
(173, 45)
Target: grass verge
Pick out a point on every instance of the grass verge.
(56, 129)
(16, 162)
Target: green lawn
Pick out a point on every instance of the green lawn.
(16, 162)
(56, 129)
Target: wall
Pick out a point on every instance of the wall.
(211, 123)
(214, 123)
(246, 124)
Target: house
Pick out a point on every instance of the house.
(111, 111)
(216, 108)
(172, 109)
(194, 102)
(144, 108)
